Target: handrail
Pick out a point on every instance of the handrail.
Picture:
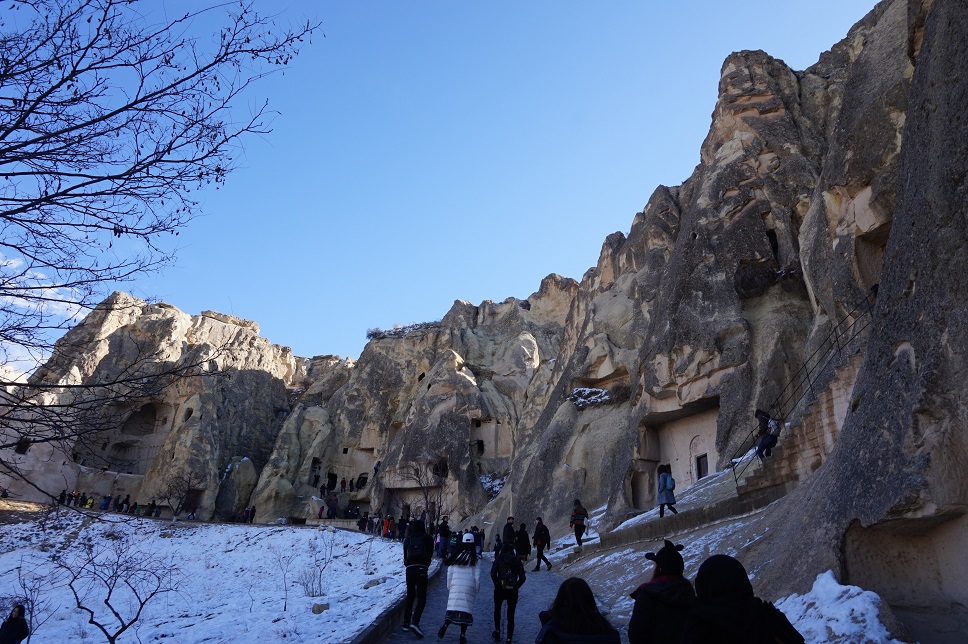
(804, 378)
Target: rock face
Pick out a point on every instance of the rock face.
(814, 186)
(226, 400)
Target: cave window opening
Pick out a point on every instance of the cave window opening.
(22, 446)
(440, 468)
(702, 466)
(331, 481)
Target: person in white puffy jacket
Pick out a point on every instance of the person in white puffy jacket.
(463, 582)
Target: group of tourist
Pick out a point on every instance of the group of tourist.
(109, 503)
(720, 608)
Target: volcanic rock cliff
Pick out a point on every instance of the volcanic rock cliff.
(816, 190)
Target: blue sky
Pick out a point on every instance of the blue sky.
(431, 151)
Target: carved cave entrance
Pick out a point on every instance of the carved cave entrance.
(685, 439)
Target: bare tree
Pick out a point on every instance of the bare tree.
(113, 579)
(179, 488)
(283, 558)
(112, 116)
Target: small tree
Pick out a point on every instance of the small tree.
(283, 559)
(112, 580)
(178, 489)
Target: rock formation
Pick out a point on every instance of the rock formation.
(814, 186)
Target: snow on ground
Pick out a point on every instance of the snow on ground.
(834, 613)
(230, 584)
(231, 579)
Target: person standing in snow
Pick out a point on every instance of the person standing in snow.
(665, 485)
(727, 612)
(463, 582)
(663, 603)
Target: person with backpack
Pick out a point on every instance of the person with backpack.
(664, 487)
(663, 603)
(463, 582)
(769, 432)
(578, 517)
(542, 539)
(418, 551)
(507, 573)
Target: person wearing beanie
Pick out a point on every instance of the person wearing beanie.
(727, 612)
(662, 604)
(463, 582)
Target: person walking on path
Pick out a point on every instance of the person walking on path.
(662, 604)
(508, 535)
(522, 543)
(443, 538)
(664, 490)
(574, 618)
(14, 629)
(542, 539)
(727, 612)
(507, 573)
(578, 517)
(418, 552)
(463, 582)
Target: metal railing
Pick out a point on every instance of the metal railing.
(804, 381)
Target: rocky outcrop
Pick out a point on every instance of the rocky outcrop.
(813, 187)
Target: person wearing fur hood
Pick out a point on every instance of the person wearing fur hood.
(662, 604)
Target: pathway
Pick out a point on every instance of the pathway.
(536, 595)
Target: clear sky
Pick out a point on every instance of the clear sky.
(432, 151)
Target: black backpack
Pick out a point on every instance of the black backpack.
(415, 549)
(507, 574)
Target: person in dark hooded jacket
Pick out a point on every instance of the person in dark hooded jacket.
(14, 629)
(508, 576)
(727, 611)
(662, 604)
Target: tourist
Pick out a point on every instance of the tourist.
(578, 517)
(726, 610)
(768, 432)
(664, 490)
(252, 514)
(507, 573)
(542, 539)
(508, 535)
(463, 582)
(342, 485)
(418, 551)
(14, 629)
(443, 537)
(662, 604)
(574, 617)
(522, 543)
(62, 497)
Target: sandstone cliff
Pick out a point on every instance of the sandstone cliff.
(814, 186)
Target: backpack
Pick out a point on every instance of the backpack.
(414, 550)
(671, 483)
(507, 576)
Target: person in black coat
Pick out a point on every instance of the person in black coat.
(14, 628)
(662, 605)
(508, 534)
(574, 618)
(522, 543)
(507, 573)
(542, 540)
(727, 612)
(418, 552)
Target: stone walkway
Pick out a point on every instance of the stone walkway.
(535, 595)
